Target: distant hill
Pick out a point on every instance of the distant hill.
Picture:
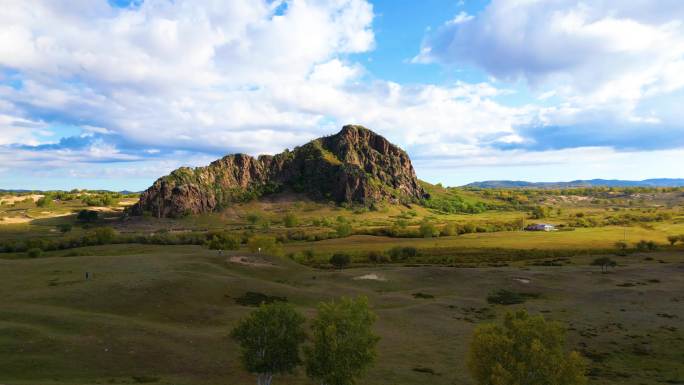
(354, 165)
(660, 182)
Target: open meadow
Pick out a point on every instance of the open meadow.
(159, 302)
(162, 314)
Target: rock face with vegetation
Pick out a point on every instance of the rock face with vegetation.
(355, 165)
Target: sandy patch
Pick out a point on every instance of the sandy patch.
(14, 220)
(371, 277)
(522, 280)
(250, 261)
(14, 199)
(26, 219)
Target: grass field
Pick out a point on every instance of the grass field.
(598, 238)
(162, 314)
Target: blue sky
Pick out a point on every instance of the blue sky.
(113, 94)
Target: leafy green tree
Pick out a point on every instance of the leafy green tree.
(269, 340)
(340, 260)
(524, 350)
(344, 345)
(604, 262)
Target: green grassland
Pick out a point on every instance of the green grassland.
(162, 313)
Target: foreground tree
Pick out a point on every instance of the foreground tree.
(344, 345)
(525, 350)
(269, 340)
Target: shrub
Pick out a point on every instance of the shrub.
(64, 228)
(539, 212)
(343, 229)
(376, 257)
(290, 220)
(340, 260)
(427, 229)
(621, 248)
(644, 245)
(399, 253)
(104, 235)
(254, 218)
(309, 254)
(34, 252)
(224, 241)
(44, 201)
(87, 216)
(103, 199)
(604, 262)
(467, 228)
(507, 297)
(256, 299)
(673, 239)
(264, 244)
(449, 229)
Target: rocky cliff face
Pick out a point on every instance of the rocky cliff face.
(356, 166)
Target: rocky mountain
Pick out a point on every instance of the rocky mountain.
(355, 165)
(662, 182)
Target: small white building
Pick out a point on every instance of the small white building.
(540, 227)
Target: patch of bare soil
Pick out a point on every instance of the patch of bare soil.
(14, 220)
(14, 199)
(371, 277)
(250, 261)
(522, 280)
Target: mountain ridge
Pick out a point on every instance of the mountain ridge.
(652, 182)
(356, 165)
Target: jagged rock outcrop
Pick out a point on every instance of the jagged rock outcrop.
(355, 165)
